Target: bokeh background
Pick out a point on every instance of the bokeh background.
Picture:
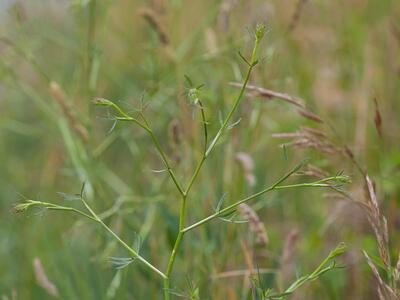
(342, 57)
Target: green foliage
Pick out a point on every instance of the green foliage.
(149, 186)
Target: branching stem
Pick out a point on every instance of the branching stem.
(93, 217)
(207, 151)
(132, 252)
(146, 126)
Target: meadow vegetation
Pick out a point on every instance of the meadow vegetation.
(200, 149)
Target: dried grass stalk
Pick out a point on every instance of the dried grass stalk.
(42, 279)
(224, 14)
(309, 115)
(304, 140)
(175, 139)
(396, 271)
(378, 118)
(59, 96)
(396, 31)
(211, 41)
(247, 164)
(313, 132)
(382, 286)
(316, 172)
(378, 223)
(335, 196)
(302, 110)
(297, 14)
(154, 21)
(175, 133)
(289, 249)
(269, 94)
(256, 226)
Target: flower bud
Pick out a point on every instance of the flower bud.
(194, 95)
(260, 31)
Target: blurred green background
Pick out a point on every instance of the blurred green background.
(337, 55)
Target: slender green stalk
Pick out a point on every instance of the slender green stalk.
(204, 157)
(162, 154)
(93, 217)
(72, 210)
(287, 175)
(195, 174)
(319, 271)
(175, 249)
(251, 64)
(133, 120)
(275, 186)
(146, 127)
(183, 212)
(50, 206)
(258, 36)
(119, 240)
(166, 163)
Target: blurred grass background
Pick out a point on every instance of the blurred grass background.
(337, 55)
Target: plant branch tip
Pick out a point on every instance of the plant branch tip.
(260, 31)
(23, 207)
(102, 102)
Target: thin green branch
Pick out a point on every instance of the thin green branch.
(203, 158)
(123, 244)
(94, 217)
(275, 186)
(320, 270)
(253, 61)
(71, 209)
(125, 117)
(133, 120)
(163, 156)
(50, 206)
(220, 212)
(195, 174)
(258, 36)
(175, 249)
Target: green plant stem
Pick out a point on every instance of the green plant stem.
(203, 157)
(133, 120)
(287, 175)
(251, 64)
(155, 141)
(166, 163)
(132, 252)
(206, 153)
(195, 174)
(51, 206)
(320, 270)
(163, 156)
(93, 217)
(72, 210)
(175, 249)
(275, 186)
